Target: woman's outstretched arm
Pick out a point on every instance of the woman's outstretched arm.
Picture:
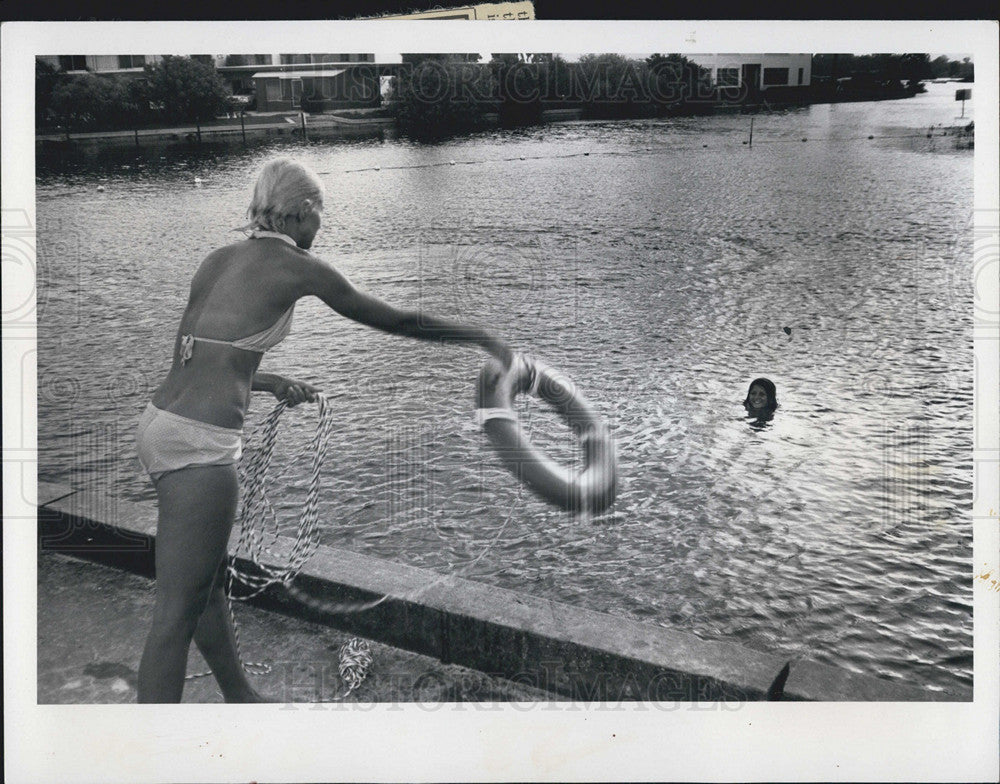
(323, 281)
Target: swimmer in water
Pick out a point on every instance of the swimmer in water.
(761, 399)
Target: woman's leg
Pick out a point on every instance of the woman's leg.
(216, 639)
(196, 510)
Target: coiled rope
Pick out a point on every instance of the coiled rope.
(257, 515)
(256, 512)
(355, 663)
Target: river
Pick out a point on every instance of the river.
(660, 264)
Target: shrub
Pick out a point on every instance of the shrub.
(313, 105)
(88, 101)
(188, 90)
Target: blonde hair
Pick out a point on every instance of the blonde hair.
(284, 187)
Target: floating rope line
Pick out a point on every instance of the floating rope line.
(691, 146)
(471, 163)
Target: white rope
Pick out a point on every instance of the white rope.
(257, 514)
(256, 510)
(355, 663)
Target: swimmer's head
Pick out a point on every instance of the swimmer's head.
(762, 397)
(286, 195)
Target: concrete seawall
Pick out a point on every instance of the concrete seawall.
(320, 127)
(578, 653)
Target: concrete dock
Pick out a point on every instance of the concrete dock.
(92, 622)
(433, 639)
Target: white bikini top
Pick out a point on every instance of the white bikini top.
(259, 342)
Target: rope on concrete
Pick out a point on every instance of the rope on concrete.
(355, 663)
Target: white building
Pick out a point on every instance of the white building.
(237, 70)
(757, 70)
(100, 63)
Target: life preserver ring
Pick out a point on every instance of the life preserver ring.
(591, 488)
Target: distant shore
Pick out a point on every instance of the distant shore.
(353, 123)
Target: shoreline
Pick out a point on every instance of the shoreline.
(192, 134)
(330, 125)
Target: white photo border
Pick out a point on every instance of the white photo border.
(558, 741)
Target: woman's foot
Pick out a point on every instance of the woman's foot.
(246, 695)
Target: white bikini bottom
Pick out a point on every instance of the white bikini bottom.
(167, 442)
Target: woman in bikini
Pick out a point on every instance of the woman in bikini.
(190, 436)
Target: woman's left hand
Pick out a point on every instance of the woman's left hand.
(294, 392)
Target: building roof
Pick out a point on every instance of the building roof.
(296, 74)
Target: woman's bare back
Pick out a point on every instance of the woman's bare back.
(238, 290)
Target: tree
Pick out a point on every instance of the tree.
(46, 77)
(441, 95)
(137, 110)
(611, 85)
(557, 78)
(939, 66)
(915, 67)
(600, 75)
(89, 101)
(942, 67)
(520, 88)
(414, 59)
(188, 90)
(676, 81)
(878, 67)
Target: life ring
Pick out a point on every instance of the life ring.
(591, 488)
